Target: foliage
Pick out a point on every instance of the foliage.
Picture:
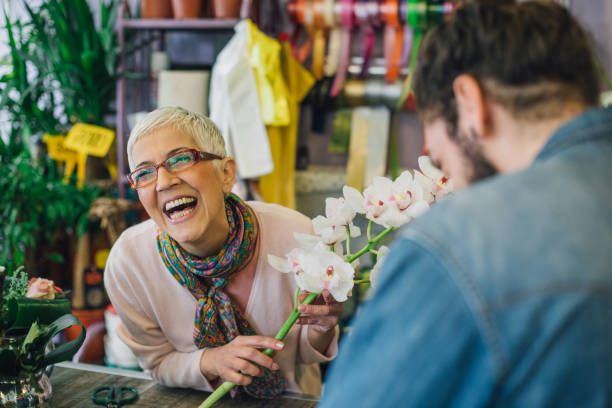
(35, 205)
(62, 71)
(79, 59)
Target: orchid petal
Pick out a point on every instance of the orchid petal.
(278, 263)
(354, 198)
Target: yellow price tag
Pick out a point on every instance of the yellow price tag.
(90, 139)
(56, 148)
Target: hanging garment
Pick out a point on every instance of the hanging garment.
(279, 186)
(235, 108)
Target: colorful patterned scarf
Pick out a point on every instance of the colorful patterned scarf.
(217, 320)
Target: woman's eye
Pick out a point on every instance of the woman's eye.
(180, 160)
(144, 174)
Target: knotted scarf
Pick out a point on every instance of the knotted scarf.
(217, 319)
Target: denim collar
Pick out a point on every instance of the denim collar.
(592, 124)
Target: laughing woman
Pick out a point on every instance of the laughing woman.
(192, 286)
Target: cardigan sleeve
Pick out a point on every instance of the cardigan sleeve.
(307, 354)
(145, 338)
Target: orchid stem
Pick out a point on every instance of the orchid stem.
(369, 245)
(370, 230)
(296, 297)
(360, 281)
(348, 240)
(228, 385)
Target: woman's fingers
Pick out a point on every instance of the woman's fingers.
(334, 309)
(236, 377)
(261, 342)
(245, 367)
(257, 357)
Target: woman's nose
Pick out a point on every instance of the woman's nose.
(165, 179)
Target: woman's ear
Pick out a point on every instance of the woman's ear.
(471, 107)
(228, 173)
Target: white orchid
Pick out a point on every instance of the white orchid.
(389, 203)
(332, 227)
(383, 251)
(435, 184)
(407, 194)
(317, 269)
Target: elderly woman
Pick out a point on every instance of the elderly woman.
(196, 296)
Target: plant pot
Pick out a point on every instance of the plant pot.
(87, 317)
(155, 9)
(187, 8)
(226, 8)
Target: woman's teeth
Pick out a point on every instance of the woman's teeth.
(179, 214)
(175, 203)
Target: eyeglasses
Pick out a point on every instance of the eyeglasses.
(181, 160)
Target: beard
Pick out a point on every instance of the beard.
(480, 167)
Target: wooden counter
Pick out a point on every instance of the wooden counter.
(73, 384)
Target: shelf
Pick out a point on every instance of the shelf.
(178, 24)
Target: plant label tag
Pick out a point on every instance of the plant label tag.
(90, 139)
(57, 150)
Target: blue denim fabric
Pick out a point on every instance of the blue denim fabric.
(500, 296)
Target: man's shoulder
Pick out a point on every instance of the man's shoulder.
(516, 232)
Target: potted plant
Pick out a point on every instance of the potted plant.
(62, 72)
(31, 314)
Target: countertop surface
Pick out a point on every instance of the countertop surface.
(73, 384)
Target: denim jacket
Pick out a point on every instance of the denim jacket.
(501, 295)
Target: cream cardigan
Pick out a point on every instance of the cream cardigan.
(157, 312)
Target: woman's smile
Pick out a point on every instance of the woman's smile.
(180, 208)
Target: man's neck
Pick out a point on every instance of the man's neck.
(517, 142)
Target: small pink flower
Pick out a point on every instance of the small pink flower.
(40, 288)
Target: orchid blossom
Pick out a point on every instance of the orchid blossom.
(383, 251)
(435, 184)
(317, 269)
(338, 215)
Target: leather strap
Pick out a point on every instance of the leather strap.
(334, 38)
(296, 10)
(394, 39)
(318, 51)
(366, 16)
(347, 21)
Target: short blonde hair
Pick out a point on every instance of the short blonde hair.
(203, 130)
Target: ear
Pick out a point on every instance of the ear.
(228, 173)
(471, 107)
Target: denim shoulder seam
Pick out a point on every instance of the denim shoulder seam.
(590, 134)
(471, 296)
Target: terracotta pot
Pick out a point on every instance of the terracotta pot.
(155, 9)
(87, 317)
(187, 8)
(226, 8)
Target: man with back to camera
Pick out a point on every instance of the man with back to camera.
(501, 295)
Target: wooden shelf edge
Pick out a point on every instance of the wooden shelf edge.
(178, 24)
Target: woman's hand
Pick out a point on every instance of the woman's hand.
(322, 316)
(239, 357)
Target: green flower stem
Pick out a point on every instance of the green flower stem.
(228, 385)
(360, 281)
(369, 245)
(296, 297)
(370, 230)
(348, 240)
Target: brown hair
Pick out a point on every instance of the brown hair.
(528, 57)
